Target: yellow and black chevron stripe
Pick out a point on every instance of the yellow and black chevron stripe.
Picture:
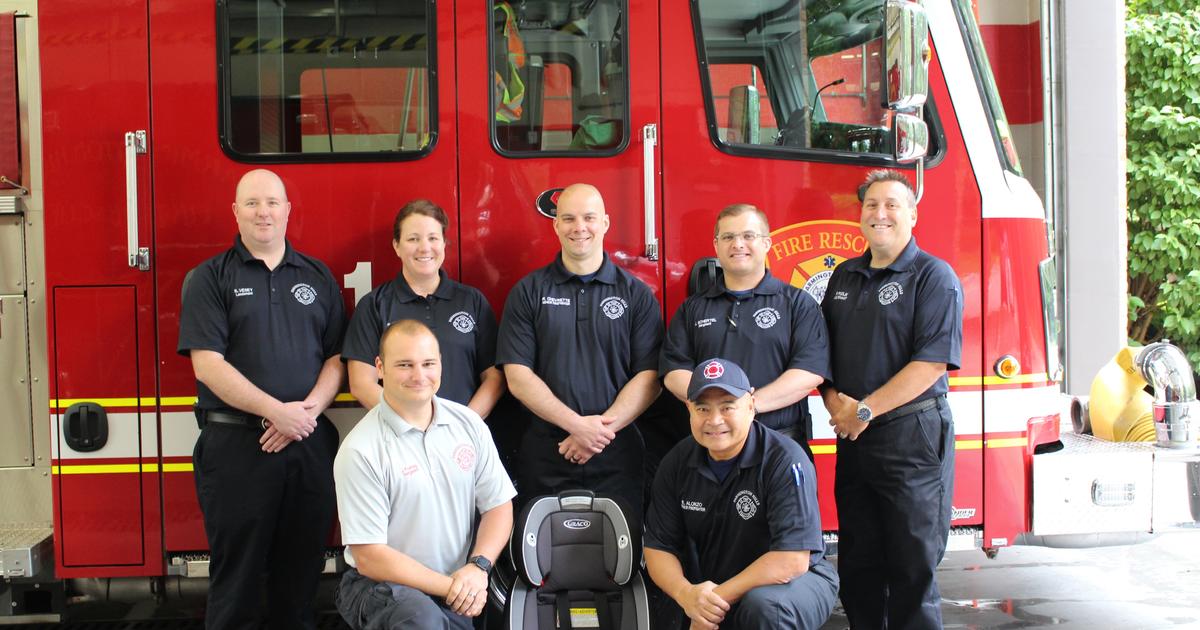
(254, 45)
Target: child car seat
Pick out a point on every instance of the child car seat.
(577, 565)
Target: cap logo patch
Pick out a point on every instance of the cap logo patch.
(766, 317)
(577, 523)
(746, 504)
(613, 307)
(462, 322)
(464, 456)
(304, 294)
(890, 292)
(713, 370)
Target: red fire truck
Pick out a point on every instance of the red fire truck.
(127, 124)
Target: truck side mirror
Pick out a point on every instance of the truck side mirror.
(906, 56)
(912, 138)
(743, 115)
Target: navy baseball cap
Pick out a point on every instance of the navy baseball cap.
(720, 373)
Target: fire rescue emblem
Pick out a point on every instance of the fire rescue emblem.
(304, 294)
(713, 370)
(805, 254)
(613, 307)
(890, 292)
(464, 456)
(746, 504)
(462, 322)
(766, 317)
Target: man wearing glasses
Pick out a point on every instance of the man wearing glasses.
(755, 320)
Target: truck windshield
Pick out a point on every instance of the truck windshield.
(987, 85)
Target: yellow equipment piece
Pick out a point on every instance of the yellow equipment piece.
(1119, 407)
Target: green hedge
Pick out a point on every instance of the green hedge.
(1163, 131)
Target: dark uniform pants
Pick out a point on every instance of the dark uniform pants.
(267, 517)
(369, 605)
(616, 471)
(893, 490)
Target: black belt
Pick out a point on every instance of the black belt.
(239, 419)
(909, 409)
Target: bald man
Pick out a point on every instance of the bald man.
(262, 325)
(579, 345)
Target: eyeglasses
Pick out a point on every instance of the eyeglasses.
(729, 237)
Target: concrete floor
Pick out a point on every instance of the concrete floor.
(1151, 585)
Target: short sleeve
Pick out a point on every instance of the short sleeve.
(645, 338)
(203, 321)
(362, 499)
(665, 529)
(810, 339)
(937, 322)
(485, 340)
(517, 341)
(794, 516)
(677, 350)
(493, 486)
(335, 322)
(362, 336)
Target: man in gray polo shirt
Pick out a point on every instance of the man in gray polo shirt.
(410, 477)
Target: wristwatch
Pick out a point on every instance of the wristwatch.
(864, 412)
(482, 562)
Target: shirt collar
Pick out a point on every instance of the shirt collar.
(444, 290)
(607, 273)
(400, 426)
(289, 255)
(748, 458)
(903, 262)
(769, 285)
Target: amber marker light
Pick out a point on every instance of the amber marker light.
(1007, 366)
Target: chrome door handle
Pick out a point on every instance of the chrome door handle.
(649, 141)
(139, 257)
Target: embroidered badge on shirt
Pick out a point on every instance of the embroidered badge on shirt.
(464, 456)
(304, 294)
(766, 317)
(462, 322)
(746, 504)
(613, 307)
(890, 292)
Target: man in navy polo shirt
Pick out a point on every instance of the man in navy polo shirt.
(579, 341)
(755, 320)
(895, 325)
(733, 534)
(262, 324)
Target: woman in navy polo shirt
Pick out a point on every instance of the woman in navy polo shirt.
(459, 316)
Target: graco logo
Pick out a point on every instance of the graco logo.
(577, 523)
(304, 294)
(462, 322)
(890, 292)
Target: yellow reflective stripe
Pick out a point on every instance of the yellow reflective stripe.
(1007, 442)
(968, 445)
(118, 469)
(151, 403)
(824, 449)
(976, 381)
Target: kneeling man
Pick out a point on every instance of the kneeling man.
(733, 534)
(410, 477)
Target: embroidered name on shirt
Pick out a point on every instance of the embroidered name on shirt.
(691, 506)
(243, 292)
(706, 322)
(553, 301)
(841, 295)
(409, 470)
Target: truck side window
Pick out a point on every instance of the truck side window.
(558, 75)
(794, 77)
(303, 81)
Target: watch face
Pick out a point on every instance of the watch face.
(864, 412)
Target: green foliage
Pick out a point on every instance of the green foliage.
(1163, 133)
